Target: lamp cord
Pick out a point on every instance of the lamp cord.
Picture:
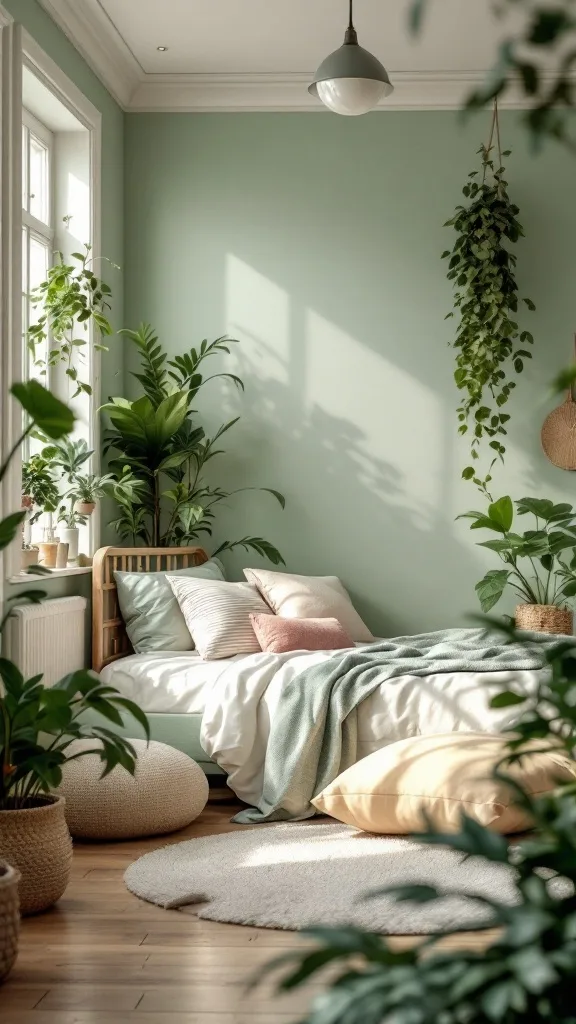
(350, 22)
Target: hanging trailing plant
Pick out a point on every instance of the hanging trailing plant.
(489, 343)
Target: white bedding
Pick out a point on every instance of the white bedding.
(165, 682)
(238, 697)
(241, 703)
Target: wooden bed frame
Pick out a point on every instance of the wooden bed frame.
(109, 639)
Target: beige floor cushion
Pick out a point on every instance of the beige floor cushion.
(445, 775)
(167, 792)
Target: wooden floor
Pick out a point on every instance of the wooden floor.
(102, 956)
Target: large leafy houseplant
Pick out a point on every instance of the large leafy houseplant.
(38, 723)
(525, 974)
(489, 342)
(548, 551)
(158, 439)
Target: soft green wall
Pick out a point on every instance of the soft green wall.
(316, 239)
(35, 20)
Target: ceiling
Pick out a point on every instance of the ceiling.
(282, 36)
(261, 54)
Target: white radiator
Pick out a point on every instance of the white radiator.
(48, 638)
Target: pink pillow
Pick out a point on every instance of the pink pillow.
(279, 635)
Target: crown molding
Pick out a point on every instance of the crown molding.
(289, 92)
(89, 29)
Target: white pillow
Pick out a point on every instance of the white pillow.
(217, 615)
(309, 597)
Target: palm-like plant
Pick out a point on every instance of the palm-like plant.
(157, 440)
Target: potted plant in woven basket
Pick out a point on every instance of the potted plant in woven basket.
(38, 724)
(539, 564)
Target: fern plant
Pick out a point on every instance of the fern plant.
(158, 440)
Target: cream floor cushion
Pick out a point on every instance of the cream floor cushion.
(166, 793)
(444, 775)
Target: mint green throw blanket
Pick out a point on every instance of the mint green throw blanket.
(314, 733)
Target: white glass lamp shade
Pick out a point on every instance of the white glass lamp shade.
(351, 96)
(351, 80)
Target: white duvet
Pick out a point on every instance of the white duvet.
(243, 698)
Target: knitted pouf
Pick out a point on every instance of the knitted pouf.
(167, 792)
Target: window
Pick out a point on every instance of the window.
(56, 219)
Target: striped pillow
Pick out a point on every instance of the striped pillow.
(217, 615)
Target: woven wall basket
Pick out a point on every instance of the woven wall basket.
(37, 842)
(544, 618)
(559, 432)
(9, 918)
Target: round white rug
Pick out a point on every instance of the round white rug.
(300, 874)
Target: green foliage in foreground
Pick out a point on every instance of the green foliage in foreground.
(529, 973)
(38, 723)
(537, 56)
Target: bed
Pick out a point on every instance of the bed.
(142, 677)
(225, 707)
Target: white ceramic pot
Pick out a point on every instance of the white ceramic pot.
(70, 535)
(85, 508)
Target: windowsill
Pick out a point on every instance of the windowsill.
(29, 577)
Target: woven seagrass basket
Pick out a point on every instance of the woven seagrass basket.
(544, 618)
(9, 918)
(36, 841)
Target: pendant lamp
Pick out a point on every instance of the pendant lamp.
(351, 80)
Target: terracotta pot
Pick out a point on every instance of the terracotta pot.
(9, 918)
(28, 557)
(85, 508)
(544, 618)
(36, 841)
(48, 551)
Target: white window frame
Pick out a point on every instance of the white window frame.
(11, 266)
(21, 49)
(45, 136)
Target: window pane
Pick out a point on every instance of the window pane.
(24, 167)
(38, 188)
(39, 260)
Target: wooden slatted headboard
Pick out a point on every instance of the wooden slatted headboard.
(109, 639)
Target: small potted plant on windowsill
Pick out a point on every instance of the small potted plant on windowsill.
(88, 489)
(39, 494)
(69, 533)
(550, 552)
